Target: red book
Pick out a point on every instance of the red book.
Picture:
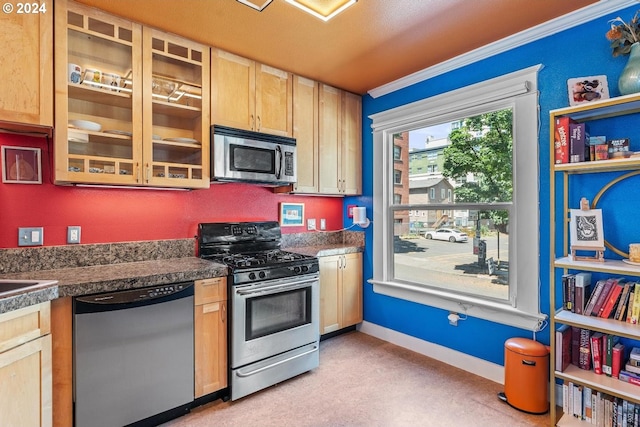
(561, 139)
(595, 295)
(596, 352)
(612, 300)
(608, 284)
(563, 347)
(617, 358)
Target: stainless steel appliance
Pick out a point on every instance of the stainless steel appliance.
(274, 304)
(245, 156)
(133, 356)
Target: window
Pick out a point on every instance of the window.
(443, 193)
(397, 199)
(397, 152)
(397, 177)
(495, 213)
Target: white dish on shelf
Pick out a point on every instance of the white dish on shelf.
(118, 132)
(85, 125)
(186, 140)
(628, 261)
(158, 137)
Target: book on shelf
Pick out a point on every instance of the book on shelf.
(567, 292)
(586, 403)
(635, 307)
(584, 360)
(561, 139)
(609, 285)
(635, 354)
(563, 347)
(577, 400)
(575, 345)
(629, 377)
(595, 295)
(582, 287)
(632, 296)
(632, 368)
(612, 300)
(609, 341)
(624, 300)
(617, 359)
(596, 352)
(578, 142)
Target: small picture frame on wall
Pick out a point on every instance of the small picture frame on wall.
(21, 165)
(291, 214)
(587, 89)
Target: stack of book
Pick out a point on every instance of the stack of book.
(573, 144)
(597, 408)
(602, 353)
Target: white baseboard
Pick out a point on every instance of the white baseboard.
(483, 368)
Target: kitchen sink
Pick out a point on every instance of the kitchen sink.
(10, 287)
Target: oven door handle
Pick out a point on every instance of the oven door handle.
(280, 362)
(279, 165)
(280, 287)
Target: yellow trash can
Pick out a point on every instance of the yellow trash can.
(526, 375)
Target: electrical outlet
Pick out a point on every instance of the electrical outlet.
(453, 318)
(323, 224)
(30, 236)
(73, 234)
(311, 224)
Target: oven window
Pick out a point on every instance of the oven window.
(269, 314)
(252, 159)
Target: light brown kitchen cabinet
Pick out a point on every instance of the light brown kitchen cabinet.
(248, 95)
(145, 94)
(340, 291)
(25, 367)
(26, 92)
(210, 336)
(305, 131)
(338, 163)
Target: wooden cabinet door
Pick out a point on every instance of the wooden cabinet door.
(26, 66)
(233, 86)
(329, 134)
(330, 309)
(305, 131)
(351, 289)
(273, 101)
(25, 384)
(351, 150)
(210, 341)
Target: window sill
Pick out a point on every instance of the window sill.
(493, 311)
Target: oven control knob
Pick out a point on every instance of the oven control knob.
(252, 276)
(296, 269)
(305, 268)
(262, 275)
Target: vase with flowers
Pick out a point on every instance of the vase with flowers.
(625, 40)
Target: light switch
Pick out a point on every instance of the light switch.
(30, 236)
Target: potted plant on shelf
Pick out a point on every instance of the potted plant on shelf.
(625, 38)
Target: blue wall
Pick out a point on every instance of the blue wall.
(579, 51)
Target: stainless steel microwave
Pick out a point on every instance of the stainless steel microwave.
(246, 156)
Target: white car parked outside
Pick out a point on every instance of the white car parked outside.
(449, 234)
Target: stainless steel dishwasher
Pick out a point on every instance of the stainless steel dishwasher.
(133, 356)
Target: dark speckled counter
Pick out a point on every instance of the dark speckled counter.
(87, 279)
(325, 250)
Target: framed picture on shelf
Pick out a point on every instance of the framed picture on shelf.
(291, 214)
(587, 89)
(585, 228)
(21, 165)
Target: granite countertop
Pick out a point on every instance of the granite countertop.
(325, 249)
(107, 278)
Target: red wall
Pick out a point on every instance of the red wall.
(120, 215)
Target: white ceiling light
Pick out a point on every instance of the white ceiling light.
(255, 6)
(324, 10)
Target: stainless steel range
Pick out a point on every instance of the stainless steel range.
(274, 303)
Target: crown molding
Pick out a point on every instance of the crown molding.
(570, 20)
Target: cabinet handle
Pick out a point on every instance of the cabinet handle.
(223, 314)
(148, 172)
(252, 122)
(137, 172)
(259, 123)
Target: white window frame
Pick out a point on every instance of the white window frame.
(517, 90)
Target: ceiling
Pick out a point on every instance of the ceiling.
(372, 43)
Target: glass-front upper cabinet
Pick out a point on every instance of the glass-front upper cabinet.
(129, 103)
(98, 97)
(176, 110)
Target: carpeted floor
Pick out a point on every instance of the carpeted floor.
(363, 381)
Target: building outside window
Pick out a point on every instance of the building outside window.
(492, 274)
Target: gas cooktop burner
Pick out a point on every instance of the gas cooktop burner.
(260, 259)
